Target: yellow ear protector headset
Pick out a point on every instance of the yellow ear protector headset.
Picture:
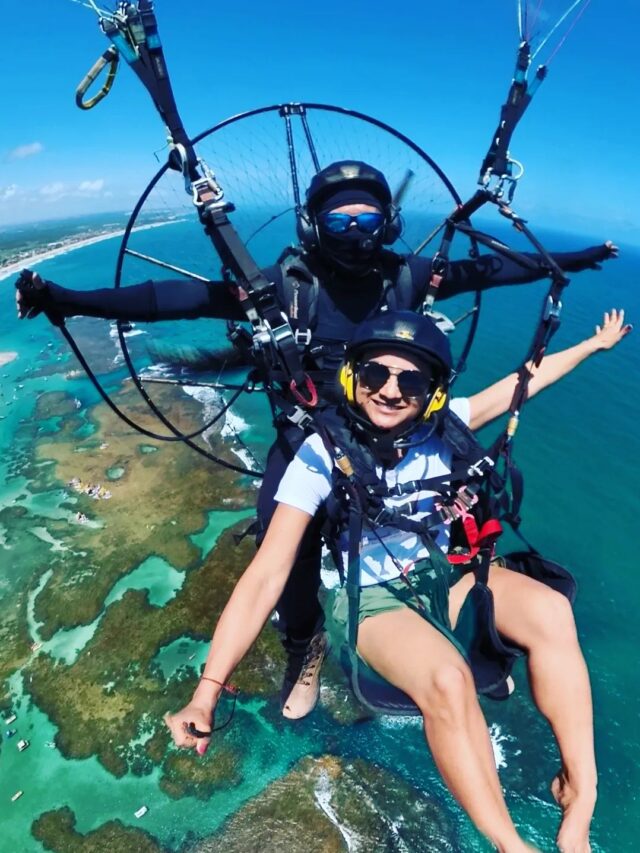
(347, 378)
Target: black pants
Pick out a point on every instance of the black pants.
(299, 612)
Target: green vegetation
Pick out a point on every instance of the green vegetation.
(56, 830)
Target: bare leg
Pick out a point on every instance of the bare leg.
(414, 656)
(541, 621)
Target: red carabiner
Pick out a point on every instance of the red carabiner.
(310, 388)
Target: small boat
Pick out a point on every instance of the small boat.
(10, 719)
(35, 646)
(16, 796)
(9, 733)
(141, 811)
(50, 744)
(22, 745)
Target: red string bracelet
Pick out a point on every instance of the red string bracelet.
(230, 688)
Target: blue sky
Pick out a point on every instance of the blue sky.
(437, 71)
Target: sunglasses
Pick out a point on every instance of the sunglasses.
(412, 383)
(339, 223)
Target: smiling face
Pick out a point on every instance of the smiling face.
(386, 407)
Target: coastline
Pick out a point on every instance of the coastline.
(69, 245)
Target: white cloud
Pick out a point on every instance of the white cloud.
(56, 189)
(23, 151)
(8, 192)
(91, 186)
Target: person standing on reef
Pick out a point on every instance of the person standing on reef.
(341, 274)
(412, 600)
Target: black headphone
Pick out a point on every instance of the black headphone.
(307, 227)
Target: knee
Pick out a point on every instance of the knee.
(445, 697)
(552, 618)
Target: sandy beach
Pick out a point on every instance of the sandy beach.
(46, 254)
(6, 357)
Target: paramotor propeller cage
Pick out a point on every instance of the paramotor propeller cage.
(133, 32)
(265, 335)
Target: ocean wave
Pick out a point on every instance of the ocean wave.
(322, 794)
(400, 721)
(498, 741)
(234, 424)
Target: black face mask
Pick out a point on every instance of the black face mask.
(353, 251)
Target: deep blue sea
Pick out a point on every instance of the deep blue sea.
(579, 449)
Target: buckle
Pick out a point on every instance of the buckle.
(481, 468)
(302, 338)
(300, 418)
(383, 517)
(460, 507)
(552, 309)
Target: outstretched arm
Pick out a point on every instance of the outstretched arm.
(496, 271)
(249, 607)
(145, 302)
(496, 399)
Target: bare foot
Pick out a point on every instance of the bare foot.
(573, 835)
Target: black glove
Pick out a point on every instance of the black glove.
(35, 298)
(588, 259)
(602, 253)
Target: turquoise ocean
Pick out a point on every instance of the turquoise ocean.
(579, 449)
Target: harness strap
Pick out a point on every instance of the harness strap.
(301, 289)
(133, 30)
(439, 267)
(479, 539)
(497, 161)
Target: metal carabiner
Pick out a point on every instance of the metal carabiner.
(110, 57)
(309, 387)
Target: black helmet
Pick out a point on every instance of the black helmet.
(417, 336)
(408, 332)
(351, 174)
(348, 182)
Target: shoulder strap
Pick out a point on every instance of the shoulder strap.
(398, 282)
(300, 289)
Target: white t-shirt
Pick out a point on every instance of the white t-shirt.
(307, 484)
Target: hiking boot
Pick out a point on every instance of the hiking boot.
(301, 685)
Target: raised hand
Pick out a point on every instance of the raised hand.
(612, 330)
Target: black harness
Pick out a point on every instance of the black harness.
(472, 489)
(300, 293)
